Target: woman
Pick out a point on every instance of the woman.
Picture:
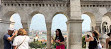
(108, 41)
(59, 39)
(92, 40)
(21, 41)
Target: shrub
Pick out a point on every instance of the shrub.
(37, 44)
(83, 42)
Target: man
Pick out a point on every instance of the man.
(8, 38)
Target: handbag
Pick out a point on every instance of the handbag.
(21, 43)
(99, 46)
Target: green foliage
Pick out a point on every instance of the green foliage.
(83, 42)
(37, 44)
(54, 45)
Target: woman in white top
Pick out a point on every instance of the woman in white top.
(21, 41)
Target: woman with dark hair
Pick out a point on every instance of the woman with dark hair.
(108, 41)
(93, 40)
(59, 39)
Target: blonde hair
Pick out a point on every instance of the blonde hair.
(22, 32)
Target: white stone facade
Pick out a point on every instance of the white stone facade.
(73, 9)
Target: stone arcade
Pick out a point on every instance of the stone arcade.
(73, 9)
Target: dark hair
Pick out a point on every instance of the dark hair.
(109, 34)
(96, 35)
(60, 35)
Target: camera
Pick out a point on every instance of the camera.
(88, 35)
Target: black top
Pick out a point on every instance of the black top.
(109, 43)
(59, 39)
(93, 44)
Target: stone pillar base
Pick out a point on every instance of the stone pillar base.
(75, 34)
(48, 48)
(75, 46)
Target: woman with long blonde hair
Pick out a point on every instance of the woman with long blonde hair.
(21, 41)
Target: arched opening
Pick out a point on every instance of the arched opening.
(88, 25)
(105, 26)
(15, 21)
(92, 19)
(38, 31)
(7, 18)
(59, 22)
(106, 22)
(110, 28)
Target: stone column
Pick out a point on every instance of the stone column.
(4, 25)
(75, 25)
(0, 2)
(1, 34)
(48, 25)
(25, 26)
(75, 34)
(98, 27)
(29, 27)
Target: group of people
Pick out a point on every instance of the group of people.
(16, 39)
(94, 42)
(19, 39)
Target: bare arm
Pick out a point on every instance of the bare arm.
(89, 39)
(12, 37)
(60, 42)
(14, 47)
(107, 40)
(53, 39)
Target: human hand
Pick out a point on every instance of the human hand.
(57, 41)
(15, 32)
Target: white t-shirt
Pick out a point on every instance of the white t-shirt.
(19, 39)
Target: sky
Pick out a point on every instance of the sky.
(86, 23)
(58, 22)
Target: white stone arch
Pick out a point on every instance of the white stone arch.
(31, 17)
(63, 22)
(106, 19)
(104, 27)
(6, 20)
(93, 20)
(33, 13)
(108, 14)
(64, 13)
(7, 15)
